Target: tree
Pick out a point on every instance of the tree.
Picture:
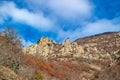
(12, 36)
(10, 49)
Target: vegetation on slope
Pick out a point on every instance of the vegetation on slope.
(15, 65)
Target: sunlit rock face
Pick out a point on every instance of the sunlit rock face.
(69, 48)
(42, 48)
(46, 48)
(98, 47)
(66, 46)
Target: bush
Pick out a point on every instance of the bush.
(40, 76)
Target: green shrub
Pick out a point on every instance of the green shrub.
(40, 76)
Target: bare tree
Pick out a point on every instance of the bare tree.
(10, 49)
(12, 36)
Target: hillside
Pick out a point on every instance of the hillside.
(94, 47)
(87, 56)
(91, 58)
(109, 42)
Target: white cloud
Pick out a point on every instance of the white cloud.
(100, 26)
(66, 9)
(37, 20)
(71, 8)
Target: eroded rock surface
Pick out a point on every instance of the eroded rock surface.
(46, 48)
(102, 47)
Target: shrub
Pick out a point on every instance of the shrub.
(40, 76)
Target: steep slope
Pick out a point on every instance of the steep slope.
(102, 46)
(87, 58)
(109, 42)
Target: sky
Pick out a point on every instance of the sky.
(59, 19)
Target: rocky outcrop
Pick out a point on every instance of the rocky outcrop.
(102, 47)
(69, 48)
(66, 47)
(43, 48)
(46, 48)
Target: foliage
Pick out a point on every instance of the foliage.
(40, 76)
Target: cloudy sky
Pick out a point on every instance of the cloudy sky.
(59, 19)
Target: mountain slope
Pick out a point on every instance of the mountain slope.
(102, 46)
(89, 58)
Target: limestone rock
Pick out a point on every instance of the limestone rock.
(42, 49)
(66, 47)
(100, 47)
(69, 48)
(46, 48)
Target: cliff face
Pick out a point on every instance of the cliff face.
(47, 49)
(102, 47)
(43, 48)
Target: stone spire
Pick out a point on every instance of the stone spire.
(66, 46)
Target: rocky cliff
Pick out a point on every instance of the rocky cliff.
(48, 49)
(103, 47)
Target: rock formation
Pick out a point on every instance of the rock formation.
(69, 48)
(46, 48)
(94, 47)
(43, 48)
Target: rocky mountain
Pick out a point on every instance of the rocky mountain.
(95, 57)
(101, 46)
(47, 49)
(105, 45)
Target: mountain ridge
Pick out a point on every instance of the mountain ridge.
(88, 58)
(88, 47)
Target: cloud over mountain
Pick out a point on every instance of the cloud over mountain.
(59, 19)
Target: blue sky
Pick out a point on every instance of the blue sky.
(59, 19)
